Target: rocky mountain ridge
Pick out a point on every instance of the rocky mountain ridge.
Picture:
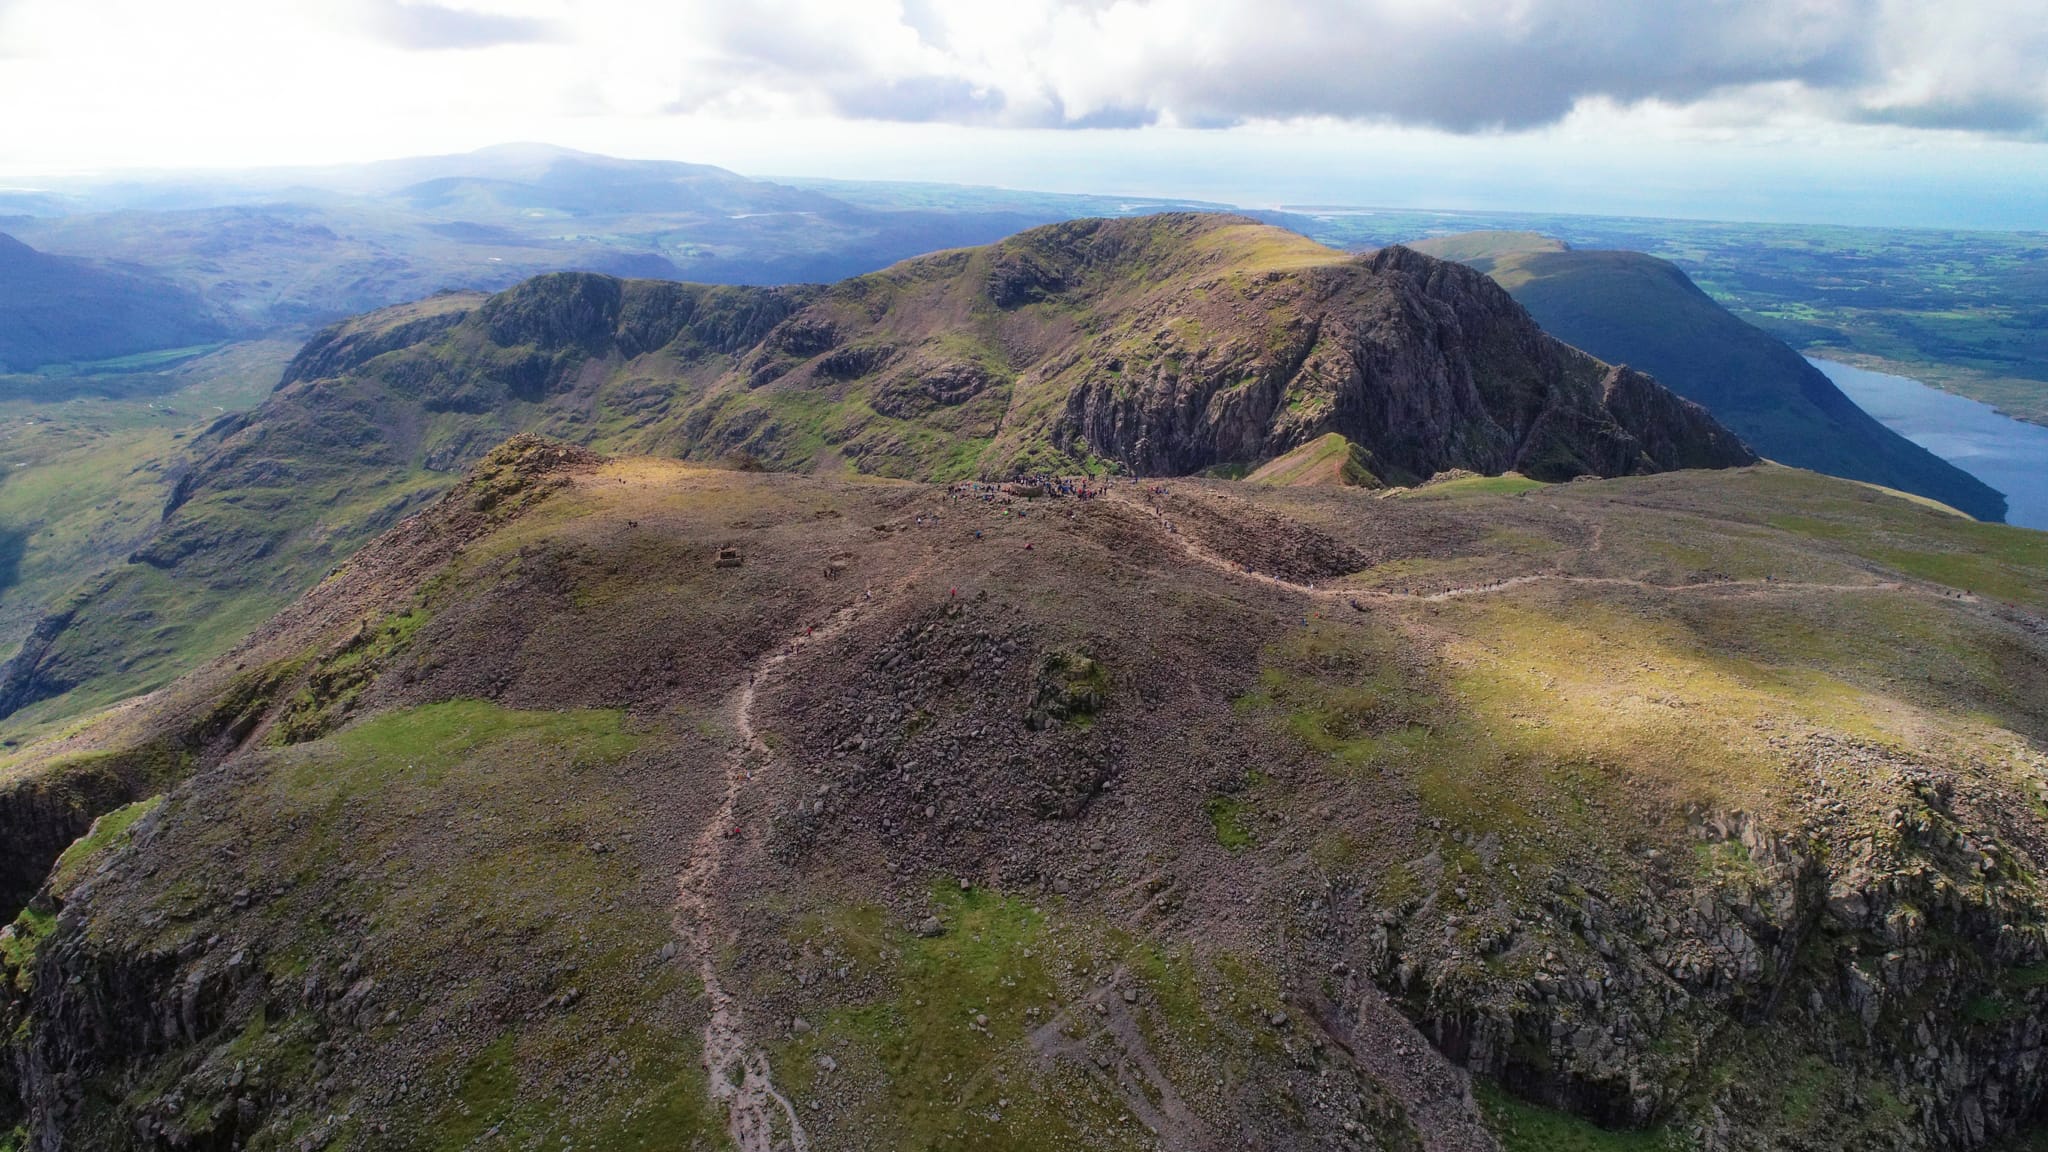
(1161, 345)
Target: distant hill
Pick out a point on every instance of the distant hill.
(1628, 308)
(1158, 346)
(298, 248)
(59, 310)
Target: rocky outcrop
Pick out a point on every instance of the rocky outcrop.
(347, 346)
(100, 1001)
(21, 682)
(1898, 950)
(1425, 365)
(41, 813)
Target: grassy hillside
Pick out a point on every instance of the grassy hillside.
(1705, 798)
(1165, 345)
(1633, 309)
(86, 463)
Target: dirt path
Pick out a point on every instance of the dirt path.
(1200, 554)
(759, 1117)
(1123, 1061)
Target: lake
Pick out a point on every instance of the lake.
(2010, 455)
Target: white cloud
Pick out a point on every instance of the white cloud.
(1457, 65)
(426, 27)
(98, 83)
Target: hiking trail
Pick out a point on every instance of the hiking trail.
(1203, 555)
(739, 1074)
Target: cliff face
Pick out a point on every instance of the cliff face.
(1428, 365)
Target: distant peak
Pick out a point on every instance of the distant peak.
(13, 253)
(532, 150)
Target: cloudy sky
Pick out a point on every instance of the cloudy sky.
(1898, 111)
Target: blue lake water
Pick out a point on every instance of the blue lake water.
(2010, 455)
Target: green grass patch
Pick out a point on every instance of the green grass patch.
(1347, 694)
(947, 1039)
(19, 943)
(1992, 560)
(1229, 820)
(656, 1100)
(106, 831)
(429, 737)
(1506, 484)
(134, 362)
(1524, 1127)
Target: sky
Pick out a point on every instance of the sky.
(1859, 111)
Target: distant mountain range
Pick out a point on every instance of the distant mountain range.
(305, 247)
(293, 248)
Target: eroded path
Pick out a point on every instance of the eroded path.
(759, 1117)
(1200, 554)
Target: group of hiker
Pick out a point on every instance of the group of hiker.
(1031, 487)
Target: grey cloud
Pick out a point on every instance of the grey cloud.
(919, 98)
(1118, 117)
(1368, 61)
(1996, 115)
(1521, 66)
(434, 28)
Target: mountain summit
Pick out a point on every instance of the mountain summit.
(1159, 345)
